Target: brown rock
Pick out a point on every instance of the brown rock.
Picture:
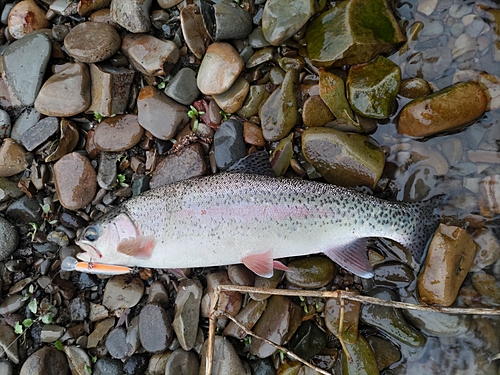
(188, 163)
(46, 361)
(133, 15)
(92, 42)
(445, 110)
(66, 93)
(67, 142)
(75, 181)
(102, 16)
(12, 158)
(150, 55)
(253, 134)
(220, 67)
(315, 112)
(118, 133)
(450, 256)
(232, 100)
(86, 7)
(26, 17)
(160, 115)
(110, 89)
(195, 32)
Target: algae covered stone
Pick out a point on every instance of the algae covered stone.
(372, 87)
(352, 32)
(345, 159)
(445, 110)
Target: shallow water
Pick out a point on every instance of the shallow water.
(451, 164)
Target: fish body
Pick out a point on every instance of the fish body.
(233, 218)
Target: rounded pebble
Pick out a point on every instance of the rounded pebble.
(118, 133)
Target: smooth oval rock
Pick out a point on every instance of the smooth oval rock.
(75, 181)
(159, 114)
(118, 133)
(413, 88)
(78, 359)
(310, 273)
(345, 159)
(225, 359)
(122, 292)
(449, 259)
(183, 88)
(155, 328)
(362, 360)
(248, 316)
(46, 361)
(315, 112)
(25, 62)
(92, 42)
(187, 312)
(117, 344)
(445, 110)
(219, 68)
(26, 17)
(107, 366)
(347, 327)
(280, 21)
(8, 343)
(230, 21)
(182, 362)
(13, 158)
(66, 93)
(229, 145)
(279, 113)
(150, 55)
(232, 100)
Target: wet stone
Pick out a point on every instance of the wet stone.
(8, 239)
(393, 275)
(122, 292)
(260, 56)
(9, 344)
(5, 124)
(182, 362)
(262, 366)
(78, 359)
(189, 162)
(229, 145)
(449, 259)
(282, 155)
(11, 304)
(279, 113)
(308, 340)
(25, 210)
(13, 158)
(160, 115)
(110, 88)
(9, 190)
(445, 110)
(150, 55)
(107, 171)
(195, 32)
(348, 326)
(488, 251)
(51, 333)
(25, 62)
(219, 69)
(187, 312)
(385, 351)
(256, 39)
(345, 159)
(6, 368)
(256, 95)
(25, 18)
(248, 316)
(315, 112)
(363, 359)
(117, 344)
(280, 21)
(118, 133)
(67, 142)
(100, 331)
(240, 275)
(24, 122)
(133, 15)
(253, 134)
(92, 42)
(65, 93)
(75, 181)
(182, 88)
(372, 87)
(230, 21)
(39, 133)
(155, 328)
(225, 359)
(310, 273)
(264, 282)
(413, 88)
(107, 366)
(46, 361)
(232, 100)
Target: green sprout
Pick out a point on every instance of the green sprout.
(59, 345)
(88, 369)
(225, 115)
(195, 114)
(98, 116)
(32, 233)
(247, 340)
(120, 180)
(161, 85)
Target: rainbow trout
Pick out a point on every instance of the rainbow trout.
(233, 218)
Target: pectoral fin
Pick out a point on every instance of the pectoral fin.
(140, 247)
(352, 257)
(260, 264)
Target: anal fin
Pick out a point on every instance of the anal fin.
(260, 264)
(352, 257)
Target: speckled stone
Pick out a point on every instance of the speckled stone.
(13, 158)
(132, 14)
(75, 181)
(92, 42)
(8, 238)
(44, 359)
(26, 17)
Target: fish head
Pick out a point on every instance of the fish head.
(114, 239)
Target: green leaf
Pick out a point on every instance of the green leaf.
(46, 208)
(47, 318)
(161, 85)
(98, 116)
(33, 306)
(18, 328)
(94, 359)
(59, 345)
(31, 289)
(27, 323)
(195, 125)
(88, 369)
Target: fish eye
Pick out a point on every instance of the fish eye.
(90, 235)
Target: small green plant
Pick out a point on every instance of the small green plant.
(59, 345)
(45, 315)
(32, 233)
(303, 304)
(88, 369)
(195, 114)
(161, 85)
(120, 180)
(247, 340)
(98, 116)
(225, 115)
(122, 158)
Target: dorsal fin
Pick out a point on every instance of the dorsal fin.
(256, 163)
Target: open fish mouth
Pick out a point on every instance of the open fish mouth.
(89, 252)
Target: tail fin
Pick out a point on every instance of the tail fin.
(426, 221)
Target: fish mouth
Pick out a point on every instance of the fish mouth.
(90, 252)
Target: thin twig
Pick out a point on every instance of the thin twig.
(279, 347)
(341, 330)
